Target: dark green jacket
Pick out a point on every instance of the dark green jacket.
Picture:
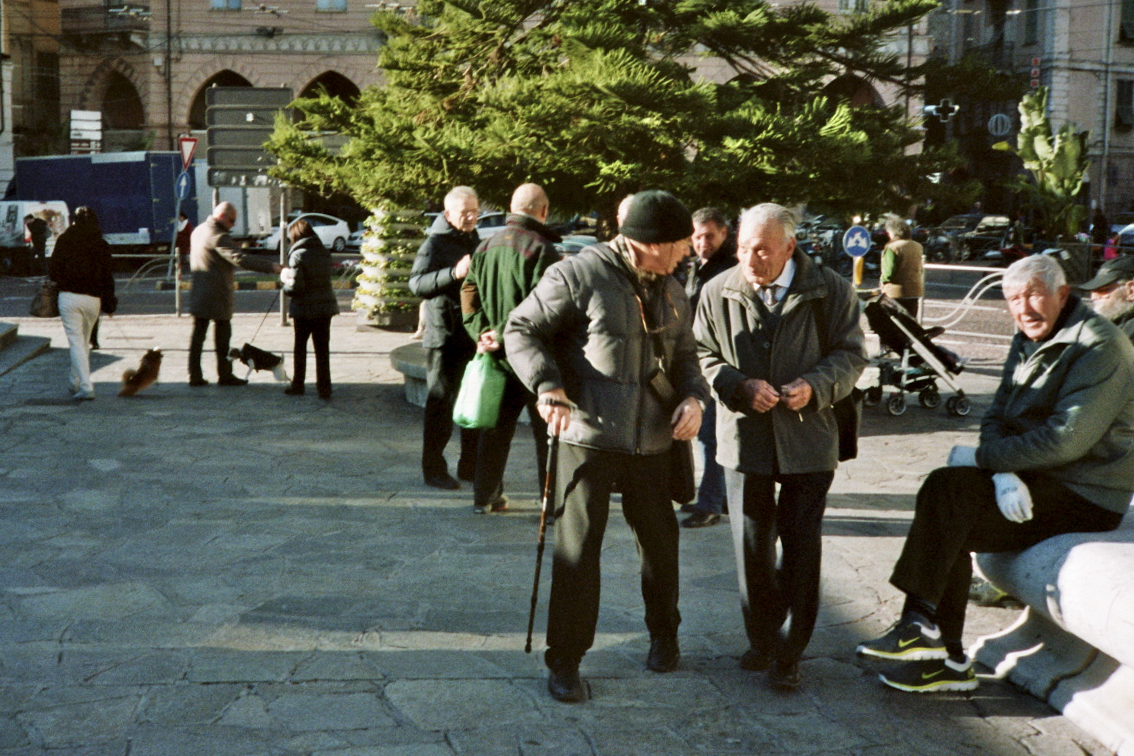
(735, 343)
(581, 330)
(505, 268)
(1068, 410)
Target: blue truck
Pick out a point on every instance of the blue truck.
(132, 193)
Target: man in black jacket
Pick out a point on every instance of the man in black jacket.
(714, 252)
(442, 263)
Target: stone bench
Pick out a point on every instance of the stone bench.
(1073, 645)
(409, 360)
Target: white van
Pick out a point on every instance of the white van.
(15, 244)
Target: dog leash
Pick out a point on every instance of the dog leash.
(267, 312)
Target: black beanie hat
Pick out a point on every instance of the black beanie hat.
(656, 217)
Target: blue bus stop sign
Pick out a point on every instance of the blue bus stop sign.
(856, 241)
(182, 185)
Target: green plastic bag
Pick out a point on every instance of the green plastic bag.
(482, 388)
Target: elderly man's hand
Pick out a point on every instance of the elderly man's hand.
(962, 456)
(487, 342)
(758, 394)
(555, 409)
(461, 269)
(796, 394)
(686, 419)
(1012, 497)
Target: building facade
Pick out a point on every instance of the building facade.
(146, 67)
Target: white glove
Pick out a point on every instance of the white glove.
(287, 276)
(1013, 497)
(962, 456)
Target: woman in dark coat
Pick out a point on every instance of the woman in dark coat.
(80, 264)
(307, 280)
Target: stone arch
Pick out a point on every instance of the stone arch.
(224, 78)
(857, 91)
(118, 78)
(335, 84)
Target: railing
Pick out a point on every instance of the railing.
(990, 280)
(94, 19)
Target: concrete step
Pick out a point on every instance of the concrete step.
(15, 350)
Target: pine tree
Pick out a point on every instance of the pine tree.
(595, 99)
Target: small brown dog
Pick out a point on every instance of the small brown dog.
(134, 381)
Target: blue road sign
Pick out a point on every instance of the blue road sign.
(856, 241)
(182, 185)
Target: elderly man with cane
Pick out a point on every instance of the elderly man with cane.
(604, 341)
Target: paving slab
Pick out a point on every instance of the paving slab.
(233, 571)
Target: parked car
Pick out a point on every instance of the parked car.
(988, 236)
(575, 243)
(333, 232)
(1119, 222)
(490, 223)
(354, 241)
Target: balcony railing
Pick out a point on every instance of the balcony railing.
(105, 18)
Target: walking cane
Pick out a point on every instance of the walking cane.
(545, 505)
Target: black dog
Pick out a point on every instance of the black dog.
(255, 358)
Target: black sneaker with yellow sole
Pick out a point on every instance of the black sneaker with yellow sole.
(932, 676)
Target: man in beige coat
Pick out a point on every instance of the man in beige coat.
(213, 259)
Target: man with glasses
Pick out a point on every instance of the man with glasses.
(441, 265)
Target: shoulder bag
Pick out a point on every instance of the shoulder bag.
(45, 303)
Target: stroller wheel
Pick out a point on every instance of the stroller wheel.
(958, 405)
(929, 397)
(896, 404)
(872, 396)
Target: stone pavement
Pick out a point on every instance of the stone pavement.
(233, 571)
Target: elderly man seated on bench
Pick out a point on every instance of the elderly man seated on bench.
(1056, 455)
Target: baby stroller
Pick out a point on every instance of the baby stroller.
(910, 361)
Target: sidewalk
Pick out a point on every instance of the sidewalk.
(232, 571)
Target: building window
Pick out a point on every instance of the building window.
(225, 4)
(1126, 22)
(1031, 22)
(852, 6)
(1124, 109)
(330, 5)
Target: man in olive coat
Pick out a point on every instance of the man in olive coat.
(780, 342)
(214, 258)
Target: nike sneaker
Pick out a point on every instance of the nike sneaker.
(931, 676)
(906, 641)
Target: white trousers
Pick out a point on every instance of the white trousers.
(79, 312)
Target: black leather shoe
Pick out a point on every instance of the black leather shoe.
(565, 685)
(467, 474)
(442, 480)
(294, 391)
(700, 520)
(325, 394)
(755, 661)
(664, 654)
(231, 380)
(688, 508)
(197, 382)
(784, 675)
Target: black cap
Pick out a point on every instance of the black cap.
(1112, 271)
(656, 217)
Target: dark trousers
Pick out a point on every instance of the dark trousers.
(583, 484)
(711, 492)
(319, 330)
(495, 443)
(770, 594)
(957, 515)
(445, 368)
(222, 334)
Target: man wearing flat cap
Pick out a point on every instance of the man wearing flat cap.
(604, 341)
(1112, 293)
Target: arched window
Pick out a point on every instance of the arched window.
(335, 84)
(225, 78)
(121, 106)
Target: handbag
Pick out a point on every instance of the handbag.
(848, 417)
(848, 410)
(45, 303)
(482, 388)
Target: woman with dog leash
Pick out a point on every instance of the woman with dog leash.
(307, 280)
(81, 266)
